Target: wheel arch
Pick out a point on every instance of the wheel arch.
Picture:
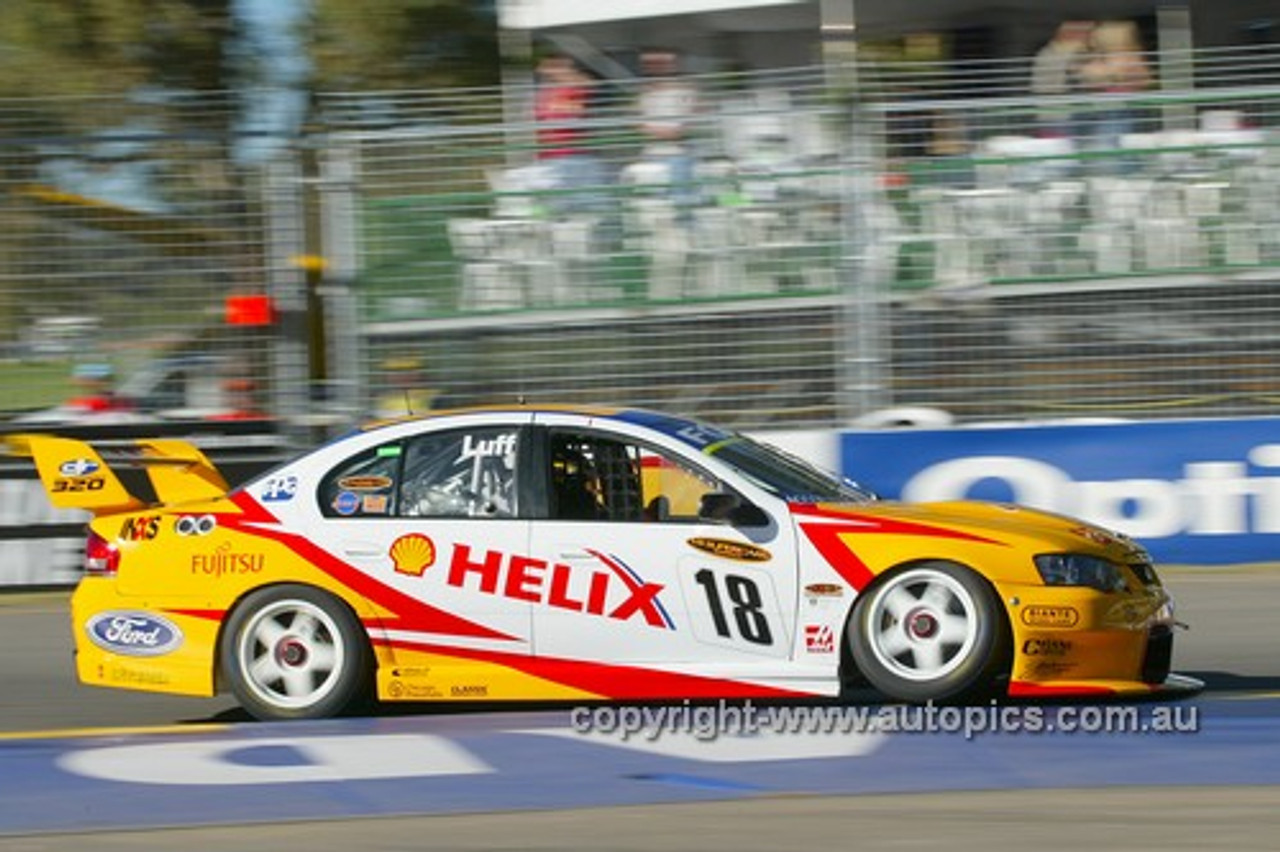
(219, 673)
(849, 674)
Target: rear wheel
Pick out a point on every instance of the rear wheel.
(295, 652)
(931, 632)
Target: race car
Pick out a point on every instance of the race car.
(556, 553)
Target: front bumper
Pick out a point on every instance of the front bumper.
(1072, 641)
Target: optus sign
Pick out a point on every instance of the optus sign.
(1204, 491)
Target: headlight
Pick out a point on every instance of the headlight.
(1076, 569)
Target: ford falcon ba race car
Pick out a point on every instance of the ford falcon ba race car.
(547, 553)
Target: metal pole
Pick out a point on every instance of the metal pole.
(861, 352)
(339, 235)
(1177, 68)
(515, 48)
(287, 286)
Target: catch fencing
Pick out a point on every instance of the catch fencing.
(821, 245)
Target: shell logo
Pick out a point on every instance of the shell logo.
(413, 554)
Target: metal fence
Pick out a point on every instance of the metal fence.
(705, 276)
(822, 243)
(137, 263)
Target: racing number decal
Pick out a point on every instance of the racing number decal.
(78, 485)
(744, 596)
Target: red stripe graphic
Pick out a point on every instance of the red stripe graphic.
(861, 523)
(410, 613)
(825, 536)
(1027, 689)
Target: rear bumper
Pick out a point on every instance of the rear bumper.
(183, 665)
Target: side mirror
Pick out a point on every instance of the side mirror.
(722, 506)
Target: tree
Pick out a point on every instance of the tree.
(59, 48)
(373, 44)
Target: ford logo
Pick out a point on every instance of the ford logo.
(134, 634)
(78, 467)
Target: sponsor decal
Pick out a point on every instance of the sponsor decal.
(410, 691)
(617, 593)
(1041, 668)
(225, 561)
(134, 634)
(195, 524)
(1046, 647)
(280, 489)
(132, 675)
(78, 467)
(727, 549)
(375, 504)
(819, 639)
(346, 503)
(1050, 616)
(496, 447)
(824, 590)
(1126, 612)
(469, 691)
(364, 483)
(141, 528)
(412, 554)
(1095, 535)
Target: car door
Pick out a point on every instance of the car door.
(434, 519)
(636, 575)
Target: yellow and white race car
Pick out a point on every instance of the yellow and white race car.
(579, 554)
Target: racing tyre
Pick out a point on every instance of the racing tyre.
(931, 632)
(295, 652)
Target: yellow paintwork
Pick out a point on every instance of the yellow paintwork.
(179, 472)
(427, 676)
(1108, 642)
(187, 670)
(1105, 645)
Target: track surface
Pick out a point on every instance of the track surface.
(1232, 646)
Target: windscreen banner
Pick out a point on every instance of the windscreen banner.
(1201, 492)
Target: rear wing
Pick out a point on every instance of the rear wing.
(82, 475)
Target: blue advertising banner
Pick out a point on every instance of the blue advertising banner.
(1194, 492)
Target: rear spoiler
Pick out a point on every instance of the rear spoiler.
(82, 475)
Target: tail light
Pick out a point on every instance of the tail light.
(101, 557)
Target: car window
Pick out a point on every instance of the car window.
(465, 473)
(597, 477)
(363, 485)
(462, 473)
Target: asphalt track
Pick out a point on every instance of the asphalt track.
(1213, 789)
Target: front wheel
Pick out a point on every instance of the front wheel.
(931, 632)
(294, 652)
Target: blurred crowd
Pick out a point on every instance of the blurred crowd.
(1095, 59)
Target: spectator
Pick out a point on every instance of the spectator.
(1117, 69)
(667, 105)
(1055, 72)
(560, 108)
(240, 401)
(95, 391)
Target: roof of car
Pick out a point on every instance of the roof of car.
(522, 408)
